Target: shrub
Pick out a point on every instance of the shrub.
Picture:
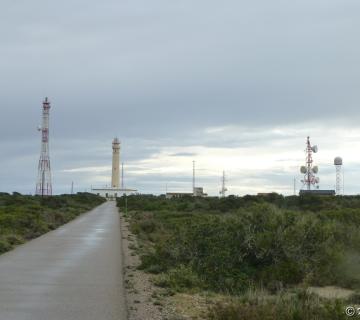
(237, 242)
(301, 306)
(179, 278)
(26, 217)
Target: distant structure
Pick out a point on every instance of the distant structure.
(115, 190)
(199, 192)
(115, 177)
(193, 181)
(223, 186)
(44, 185)
(196, 191)
(122, 175)
(338, 162)
(170, 195)
(318, 192)
(294, 186)
(309, 170)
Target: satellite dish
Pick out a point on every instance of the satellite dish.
(303, 169)
(315, 169)
(317, 179)
(314, 149)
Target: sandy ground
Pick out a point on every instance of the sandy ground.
(331, 292)
(141, 294)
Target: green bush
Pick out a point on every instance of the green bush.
(301, 306)
(4, 246)
(26, 217)
(179, 279)
(234, 243)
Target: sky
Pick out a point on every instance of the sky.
(234, 85)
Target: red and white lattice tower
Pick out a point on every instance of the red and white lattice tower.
(43, 185)
(309, 170)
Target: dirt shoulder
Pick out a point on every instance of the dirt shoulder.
(143, 299)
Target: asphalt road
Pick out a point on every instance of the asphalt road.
(72, 273)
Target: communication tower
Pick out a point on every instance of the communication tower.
(338, 161)
(193, 181)
(309, 170)
(223, 186)
(43, 185)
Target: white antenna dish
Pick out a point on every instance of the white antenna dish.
(315, 149)
(303, 169)
(338, 161)
(315, 169)
(317, 179)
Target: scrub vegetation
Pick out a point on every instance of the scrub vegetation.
(26, 217)
(271, 244)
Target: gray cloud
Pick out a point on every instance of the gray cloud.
(159, 75)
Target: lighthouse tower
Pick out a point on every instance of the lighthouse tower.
(43, 185)
(115, 178)
(117, 188)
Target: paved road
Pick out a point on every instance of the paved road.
(72, 273)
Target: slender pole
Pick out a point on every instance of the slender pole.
(294, 186)
(194, 177)
(223, 186)
(126, 208)
(42, 183)
(122, 175)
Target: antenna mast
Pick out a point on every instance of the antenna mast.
(44, 185)
(223, 186)
(338, 164)
(309, 170)
(193, 182)
(294, 186)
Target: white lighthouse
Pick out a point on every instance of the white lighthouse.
(116, 189)
(115, 177)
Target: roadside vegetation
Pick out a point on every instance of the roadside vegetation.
(273, 246)
(26, 217)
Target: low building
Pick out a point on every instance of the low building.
(170, 195)
(318, 192)
(199, 192)
(112, 193)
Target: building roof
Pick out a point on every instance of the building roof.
(318, 192)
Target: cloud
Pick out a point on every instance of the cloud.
(183, 154)
(236, 86)
(89, 169)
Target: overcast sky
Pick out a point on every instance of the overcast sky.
(235, 85)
